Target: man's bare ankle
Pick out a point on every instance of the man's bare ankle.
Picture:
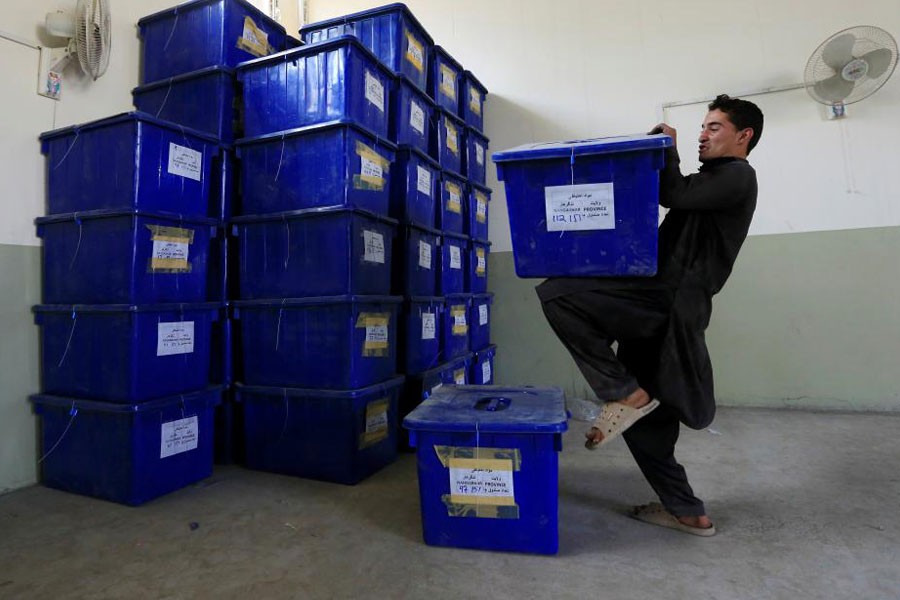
(636, 399)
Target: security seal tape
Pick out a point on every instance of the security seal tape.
(171, 249)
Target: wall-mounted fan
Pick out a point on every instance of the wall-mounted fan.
(850, 66)
(88, 30)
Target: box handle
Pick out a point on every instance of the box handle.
(492, 404)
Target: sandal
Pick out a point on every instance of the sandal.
(615, 418)
(655, 514)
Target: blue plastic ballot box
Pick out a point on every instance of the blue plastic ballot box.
(488, 466)
(584, 208)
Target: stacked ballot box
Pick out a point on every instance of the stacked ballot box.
(188, 77)
(132, 311)
(317, 326)
(438, 192)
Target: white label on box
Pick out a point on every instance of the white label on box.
(370, 168)
(423, 177)
(475, 101)
(175, 338)
(376, 335)
(486, 371)
(178, 436)
(483, 314)
(490, 480)
(459, 377)
(480, 207)
(448, 82)
(374, 243)
(455, 257)
(377, 420)
(580, 207)
(452, 137)
(415, 53)
(479, 154)
(424, 255)
(374, 91)
(454, 198)
(459, 321)
(170, 251)
(417, 117)
(185, 162)
(480, 267)
(429, 326)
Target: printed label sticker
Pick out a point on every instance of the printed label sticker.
(376, 423)
(424, 255)
(454, 197)
(458, 314)
(479, 154)
(429, 326)
(374, 247)
(415, 53)
(481, 207)
(459, 377)
(490, 480)
(254, 40)
(475, 101)
(171, 249)
(480, 266)
(483, 314)
(175, 338)
(374, 91)
(486, 371)
(185, 162)
(417, 117)
(448, 82)
(423, 183)
(585, 207)
(452, 137)
(375, 343)
(455, 257)
(376, 336)
(178, 436)
(373, 168)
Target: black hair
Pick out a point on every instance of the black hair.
(742, 113)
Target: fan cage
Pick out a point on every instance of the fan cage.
(92, 36)
(868, 38)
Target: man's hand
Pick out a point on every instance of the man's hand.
(669, 131)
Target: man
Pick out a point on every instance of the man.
(661, 375)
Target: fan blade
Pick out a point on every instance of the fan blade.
(837, 52)
(833, 89)
(879, 60)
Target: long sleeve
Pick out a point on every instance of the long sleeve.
(709, 189)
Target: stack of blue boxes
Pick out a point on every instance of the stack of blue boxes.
(439, 197)
(134, 343)
(316, 322)
(189, 57)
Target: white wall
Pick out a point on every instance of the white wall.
(582, 68)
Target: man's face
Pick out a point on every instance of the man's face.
(720, 138)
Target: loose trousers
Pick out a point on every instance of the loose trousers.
(588, 323)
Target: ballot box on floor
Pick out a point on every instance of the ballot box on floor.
(488, 466)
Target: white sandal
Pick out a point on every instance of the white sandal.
(615, 418)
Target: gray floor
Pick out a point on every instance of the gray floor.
(806, 505)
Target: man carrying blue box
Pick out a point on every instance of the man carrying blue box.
(661, 375)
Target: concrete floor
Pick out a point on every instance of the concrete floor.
(805, 504)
